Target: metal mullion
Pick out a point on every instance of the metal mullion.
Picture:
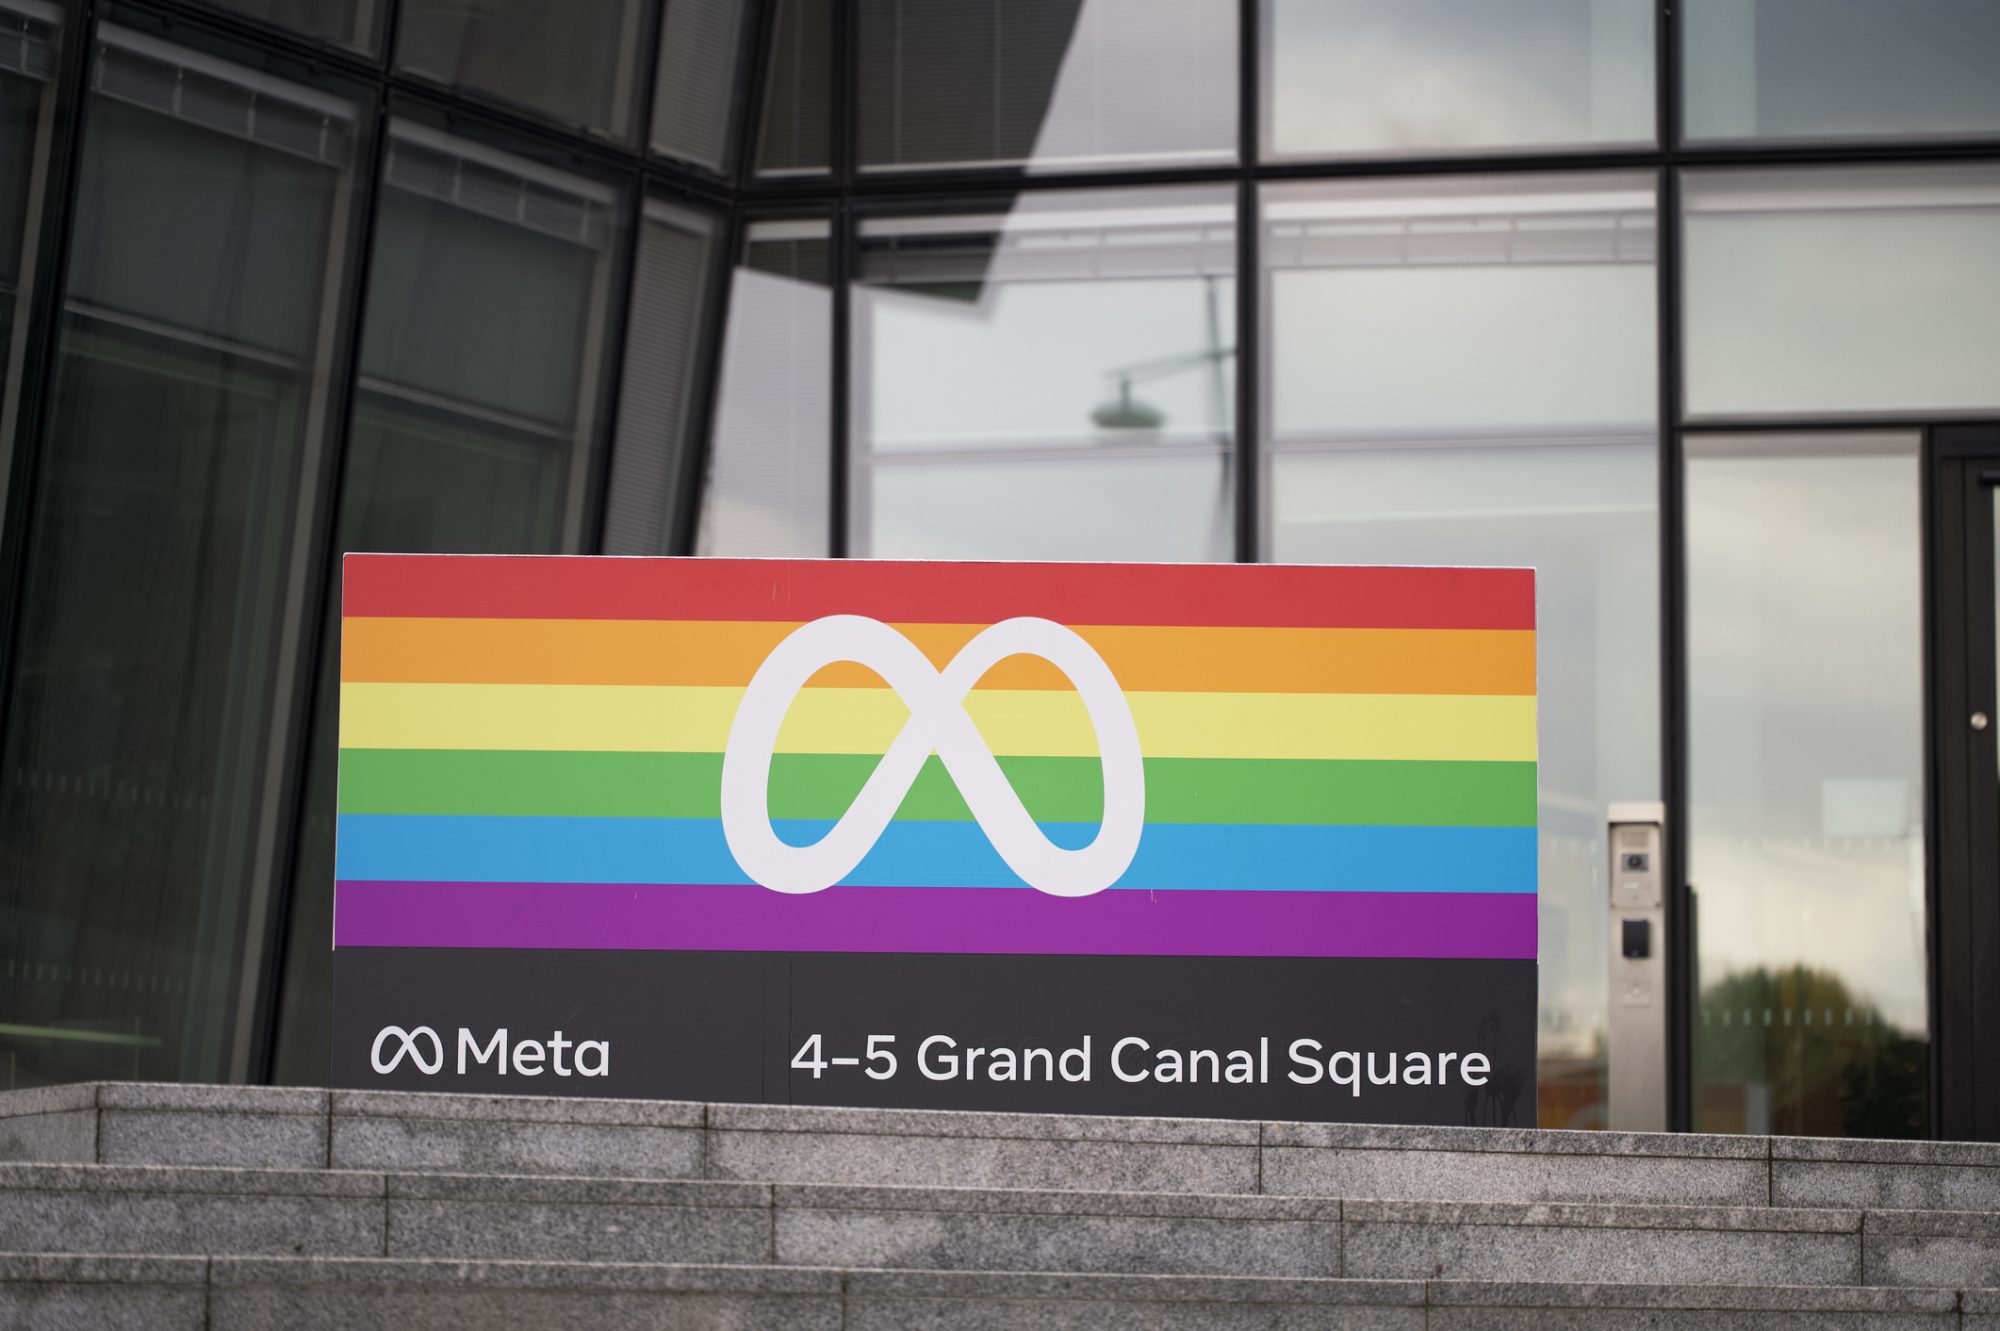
(42, 334)
(1943, 695)
(1673, 702)
(1249, 287)
(844, 114)
(1249, 380)
(839, 265)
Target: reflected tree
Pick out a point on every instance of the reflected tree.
(1829, 1062)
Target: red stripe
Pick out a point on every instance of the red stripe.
(1223, 595)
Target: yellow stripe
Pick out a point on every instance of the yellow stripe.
(638, 718)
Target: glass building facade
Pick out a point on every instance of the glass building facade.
(1690, 307)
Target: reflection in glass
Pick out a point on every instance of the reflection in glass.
(694, 92)
(671, 280)
(477, 410)
(30, 37)
(190, 404)
(1056, 381)
(1806, 784)
(767, 492)
(572, 60)
(1799, 70)
(794, 123)
(1462, 372)
(1400, 77)
(1048, 84)
(346, 22)
(1832, 290)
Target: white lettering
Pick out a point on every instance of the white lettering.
(946, 1066)
(1118, 1068)
(495, 1051)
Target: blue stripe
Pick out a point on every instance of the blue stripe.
(1172, 856)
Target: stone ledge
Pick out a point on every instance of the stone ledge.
(59, 1268)
(175, 1097)
(1719, 1298)
(1867, 1151)
(1136, 1289)
(1512, 1141)
(1607, 1215)
(953, 1123)
(1051, 1202)
(566, 1189)
(1934, 1224)
(237, 1272)
(218, 1180)
(49, 1099)
(556, 1109)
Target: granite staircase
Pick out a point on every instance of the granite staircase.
(220, 1208)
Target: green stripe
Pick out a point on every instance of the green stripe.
(1178, 790)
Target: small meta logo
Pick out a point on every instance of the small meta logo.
(410, 1044)
(424, 1049)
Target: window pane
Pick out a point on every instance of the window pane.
(30, 38)
(1806, 784)
(1406, 77)
(346, 22)
(476, 415)
(190, 402)
(1051, 84)
(1462, 372)
(1833, 69)
(1056, 381)
(694, 95)
(670, 301)
(1842, 290)
(572, 60)
(767, 492)
(793, 127)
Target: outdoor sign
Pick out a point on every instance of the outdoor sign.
(1224, 840)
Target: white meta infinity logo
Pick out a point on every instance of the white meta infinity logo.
(407, 1045)
(938, 724)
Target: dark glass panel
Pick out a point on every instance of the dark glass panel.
(676, 268)
(1047, 84)
(694, 95)
(163, 566)
(794, 126)
(574, 61)
(345, 22)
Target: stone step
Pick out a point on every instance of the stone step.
(44, 1293)
(341, 1213)
(290, 1128)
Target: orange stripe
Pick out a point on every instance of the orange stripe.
(1145, 658)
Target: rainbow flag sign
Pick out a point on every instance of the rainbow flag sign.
(1246, 841)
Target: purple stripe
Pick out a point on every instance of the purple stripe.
(677, 917)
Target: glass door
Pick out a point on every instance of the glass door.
(1807, 854)
(1965, 517)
